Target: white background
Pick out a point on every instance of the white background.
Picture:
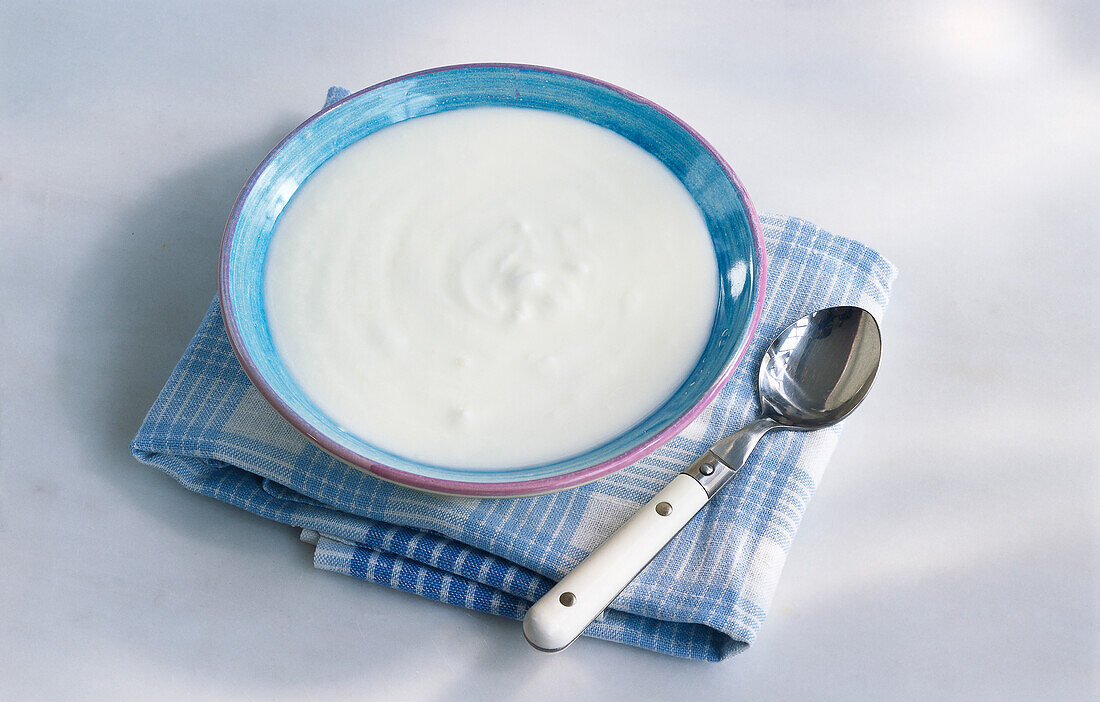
(952, 549)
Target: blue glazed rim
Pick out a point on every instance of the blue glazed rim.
(729, 213)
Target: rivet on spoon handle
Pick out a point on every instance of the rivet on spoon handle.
(560, 616)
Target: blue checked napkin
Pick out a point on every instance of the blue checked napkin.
(704, 596)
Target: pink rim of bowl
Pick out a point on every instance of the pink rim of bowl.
(518, 488)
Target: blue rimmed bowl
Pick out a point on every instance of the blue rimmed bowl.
(726, 207)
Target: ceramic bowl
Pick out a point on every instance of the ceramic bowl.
(726, 207)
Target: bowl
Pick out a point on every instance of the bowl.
(727, 210)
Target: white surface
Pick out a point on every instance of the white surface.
(442, 288)
(951, 551)
(552, 624)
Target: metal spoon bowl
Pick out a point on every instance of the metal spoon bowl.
(818, 369)
(812, 376)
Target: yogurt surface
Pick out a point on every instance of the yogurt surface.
(490, 287)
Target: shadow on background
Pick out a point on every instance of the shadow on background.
(154, 281)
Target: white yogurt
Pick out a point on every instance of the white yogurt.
(490, 287)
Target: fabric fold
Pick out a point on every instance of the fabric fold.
(705, 596)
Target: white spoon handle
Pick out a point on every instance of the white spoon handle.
(557, 619)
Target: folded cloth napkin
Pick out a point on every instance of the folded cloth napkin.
(704, 596)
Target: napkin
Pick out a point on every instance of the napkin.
(704, 596)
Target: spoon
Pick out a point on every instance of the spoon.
(813, 374)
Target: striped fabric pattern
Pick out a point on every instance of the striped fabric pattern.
(704, 597)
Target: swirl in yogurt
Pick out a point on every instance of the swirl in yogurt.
(490, 287)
